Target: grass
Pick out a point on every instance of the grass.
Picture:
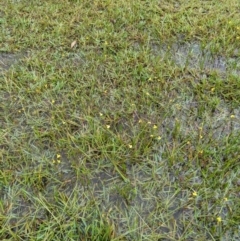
(131, 133)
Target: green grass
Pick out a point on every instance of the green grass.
(132, 133)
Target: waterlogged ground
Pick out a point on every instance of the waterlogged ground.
(121, 135)
(8, 59)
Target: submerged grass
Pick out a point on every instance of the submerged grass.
(120, 121)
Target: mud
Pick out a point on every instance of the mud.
(9, 59)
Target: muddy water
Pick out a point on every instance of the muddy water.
(192, 55)
(9, 59)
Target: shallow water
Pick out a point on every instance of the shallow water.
(192, 55)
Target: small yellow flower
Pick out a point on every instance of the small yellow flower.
(130, 146)
(147, 93)
(108, 126)
(150, 79)
(225, 199)
(232, 116)
(159, 138)
(53, 101)
(200, 136)
(58, 161)
(194, 194)
(188, 142)
(101, 114)
(219, 219)
(151, 135)
(53, 161)
(58, 156)
(155, 127)
(140, 121)
(149, 122)
(212, 89)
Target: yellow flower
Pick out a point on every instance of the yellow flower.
(225, 199)
(108, 126)
(53, 101)
(219, 219)
(154, 127)
(101, 114)
(212, 89)
(151, 135)
(159, 138)
(149, 122)
(58, 156)
(140, 121)
(194, 194)
(232, 116)
(53, 161)
(130, 146)
(178, 106)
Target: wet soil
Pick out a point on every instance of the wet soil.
(9, 59)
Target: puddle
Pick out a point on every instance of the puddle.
(9, 59)
(192, 55)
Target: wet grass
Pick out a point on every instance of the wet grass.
(119, 120)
